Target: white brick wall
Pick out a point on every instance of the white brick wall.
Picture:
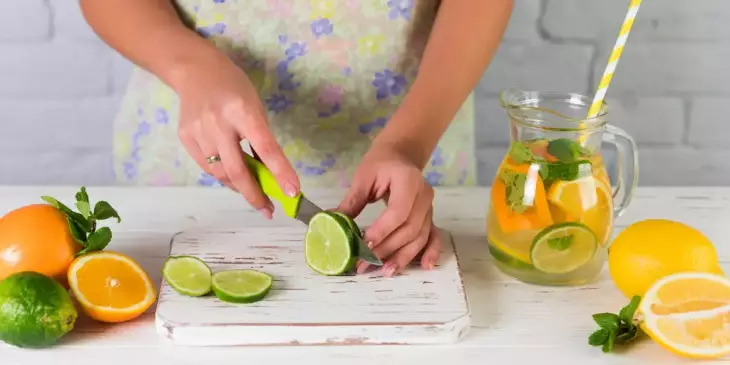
(60, 85)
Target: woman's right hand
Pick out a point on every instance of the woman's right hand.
(219, 108)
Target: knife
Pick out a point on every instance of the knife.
(298, 207)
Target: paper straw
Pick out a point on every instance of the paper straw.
(613, 60)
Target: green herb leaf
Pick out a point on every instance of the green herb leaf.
(566, 171)
(566, 150)
(515, 190)
(82, 196)
(77, 232)
(606, 320)
(627, 335)
(84, 208)
(608, 345)
(82, 222)
(98, 240)
(599, 337)
(520, 153)
(627, 313)
(103, 210)
(560, 243)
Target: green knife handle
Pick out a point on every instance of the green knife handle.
(270, 187)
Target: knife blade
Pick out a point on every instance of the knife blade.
(298, 207)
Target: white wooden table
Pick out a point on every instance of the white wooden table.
(512, 322)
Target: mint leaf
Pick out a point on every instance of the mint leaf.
(82, 196)
(608, 345)
(627, 335)
(84, 208)
(520, 153)
(560, 243)
(599, 337)
(627, 313)
(79, 219)
(77, 232)
(566, 150)
(103, 210)
(607, 321)
(97, 240)
(514, 190)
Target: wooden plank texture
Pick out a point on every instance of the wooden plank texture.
(303, 307)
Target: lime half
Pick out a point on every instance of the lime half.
(328, 245)
(563, 247)
(350, 222)
(241, 286)
(188, 275)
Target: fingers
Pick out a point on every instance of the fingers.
(433, 249)
(189, 140)
(257, 132)
(406, 253)
(400, 204)
(356, 198)
(206, 142)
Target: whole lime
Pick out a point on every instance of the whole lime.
(35, 310)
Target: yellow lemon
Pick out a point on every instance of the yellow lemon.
(649, 250)
(688, 314)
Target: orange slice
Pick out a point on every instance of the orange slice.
(689, 314)
(110, 286)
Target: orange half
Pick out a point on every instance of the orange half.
(689, 314)
(110, 286)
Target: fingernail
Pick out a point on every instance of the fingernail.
(271, 206)
(361, 267)
(267, 212)
(430, 264)
(389, 271)
(290, 190)
(370, 244)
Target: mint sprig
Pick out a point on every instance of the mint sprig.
(614, 329)
(83, 224)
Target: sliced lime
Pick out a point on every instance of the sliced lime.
(350, 222)
(241, 286)
(328, 245)
(188, 275)
(508, 260)
(562, 248)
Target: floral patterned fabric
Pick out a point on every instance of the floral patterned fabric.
(329, 72)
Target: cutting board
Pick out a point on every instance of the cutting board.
(304, 308)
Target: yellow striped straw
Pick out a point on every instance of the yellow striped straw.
(613, 60)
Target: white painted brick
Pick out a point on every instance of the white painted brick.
(654, 69)
(523, 22)
(59, 167)
(52, 125)
(24, 20)
(121, 71)
(69, 21)
(55, 70)
(539, 66)
(491, 122)
(708, 124)
(684, 167)
(649, 120)
(665, 19)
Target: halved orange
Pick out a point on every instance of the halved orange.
(689, 314)
(111, 287)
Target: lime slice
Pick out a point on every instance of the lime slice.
(350, 222)
(187, 275)
(241, 286)
(562, 248)
(508, 260)
(328, 245)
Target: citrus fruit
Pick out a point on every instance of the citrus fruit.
(328, 245)
(35, 310)
(350, 222)
(110, 286)
(187, 275)
(574, 197)
(689, 314)
(241, 286)
(648, 250)
(36, 238)
(563, 247)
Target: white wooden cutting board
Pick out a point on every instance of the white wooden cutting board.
(304, 308)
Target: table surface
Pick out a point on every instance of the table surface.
(512, 322)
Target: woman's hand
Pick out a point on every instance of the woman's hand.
(219, 109)
(405, 228)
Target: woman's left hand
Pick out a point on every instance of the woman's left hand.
(405, 228)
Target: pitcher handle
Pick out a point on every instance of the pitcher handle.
(628, 167)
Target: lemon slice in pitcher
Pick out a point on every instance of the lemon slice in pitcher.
(562, 248)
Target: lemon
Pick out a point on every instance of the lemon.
(649, 250)
(688, 314)
(576, 196)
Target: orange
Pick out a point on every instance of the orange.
(36, 238)
(111, 287)
(689, 314)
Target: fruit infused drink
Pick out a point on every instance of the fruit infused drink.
(552, 205)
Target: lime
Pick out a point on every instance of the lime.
(563, 247)
(328, 245)
(35, 310)
(350, 222)
(241, 286)
(187, 275)
(508, 260)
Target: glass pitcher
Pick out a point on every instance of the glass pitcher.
(552, 205)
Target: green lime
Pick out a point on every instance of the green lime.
(563, 247)
(241, 286)
(350, 222)
(328, 245)
(35, 310)
(187, 275)
(508, 260)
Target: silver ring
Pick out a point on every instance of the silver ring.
(213, 159)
